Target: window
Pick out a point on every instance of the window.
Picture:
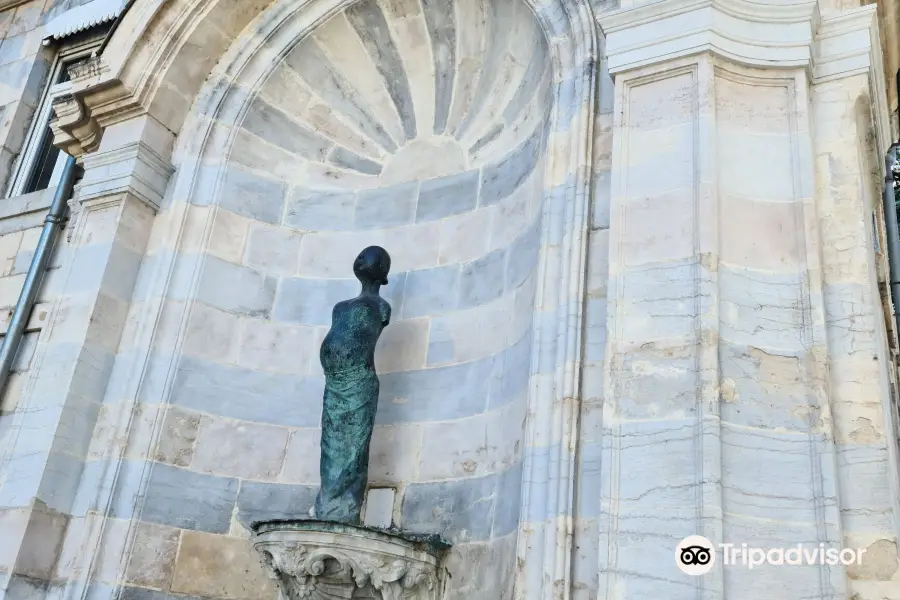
(40, 163)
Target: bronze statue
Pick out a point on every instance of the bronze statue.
(351, 390)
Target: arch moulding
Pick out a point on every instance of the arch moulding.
(174, 60)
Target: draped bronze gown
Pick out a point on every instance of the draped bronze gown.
(351, 399)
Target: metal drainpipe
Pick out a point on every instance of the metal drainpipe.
(52, 225)
(892, 228)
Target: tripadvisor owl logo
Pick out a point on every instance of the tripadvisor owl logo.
(695, 555)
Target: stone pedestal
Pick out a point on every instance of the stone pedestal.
(321, 561)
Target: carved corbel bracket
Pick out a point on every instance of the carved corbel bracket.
(329, 561)
(74, 130)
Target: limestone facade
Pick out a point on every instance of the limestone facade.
(638, 286)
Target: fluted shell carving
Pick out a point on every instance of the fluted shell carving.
(328, 574)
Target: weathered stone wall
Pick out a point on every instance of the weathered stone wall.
(24, 70)
(380, 128)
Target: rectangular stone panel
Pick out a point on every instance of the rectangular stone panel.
(189, 500)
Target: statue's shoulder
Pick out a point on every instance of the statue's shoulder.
(385, 309)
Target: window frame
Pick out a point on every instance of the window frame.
(66, 55)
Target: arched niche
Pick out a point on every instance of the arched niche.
(160, 50)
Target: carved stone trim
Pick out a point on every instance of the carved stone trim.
(74, 131)
(324, 561)
(750, 33)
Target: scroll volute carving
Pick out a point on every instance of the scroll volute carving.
(333, 565)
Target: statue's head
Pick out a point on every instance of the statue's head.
(372, 265)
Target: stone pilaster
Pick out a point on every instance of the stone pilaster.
(113, 210)
(718, 416)
(851, 128)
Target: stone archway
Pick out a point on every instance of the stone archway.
(182, 39)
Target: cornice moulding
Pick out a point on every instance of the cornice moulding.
(752, 33)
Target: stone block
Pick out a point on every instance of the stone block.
(446, 196)
(253, 196)
(590, 481)
(471, 334)
(764, 389)
(511, 216)
(310, 301)
(273, 249)
(431, 291)
(140, 438)
(473, 447)
(330, 254)
(659, 478)
(211, 333)
(269, 346)
(108, 266)
(662, 225)
(660, 300)
(466, 236)
(767, 475)
(9, 248)
(318, 210)
(395, 453)
(435, 394)
(762, 235)
(152, 559)
(514, 368)
(20, 587)
(482, 279)
(658, 383)
(235, 289)
(482, 570)
(402, 346)
(136, 593)
(239, 448)
(346, 159)
(595, 332)
(13, 524)
(508, 501)
(386, 207)
(772, 154)
(27, 16)
(245, 394)
(522, 256)
(379, 508)
(10, 288)
(461, 510)
(275, 127)
(301, 461)
(762, 309)
(228, 236)
(864, 474)
(25, 352)
(221, 567)
(598, 263)
(372, 28)
(260, 501)
(40, 543)
(189, 500)
(500, 180)
(177, 438)
(311, 64)
(98, 475)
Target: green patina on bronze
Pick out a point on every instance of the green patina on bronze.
(351, 390)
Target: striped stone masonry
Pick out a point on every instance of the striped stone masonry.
(634, 293)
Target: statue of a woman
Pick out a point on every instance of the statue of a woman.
(351, 390)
